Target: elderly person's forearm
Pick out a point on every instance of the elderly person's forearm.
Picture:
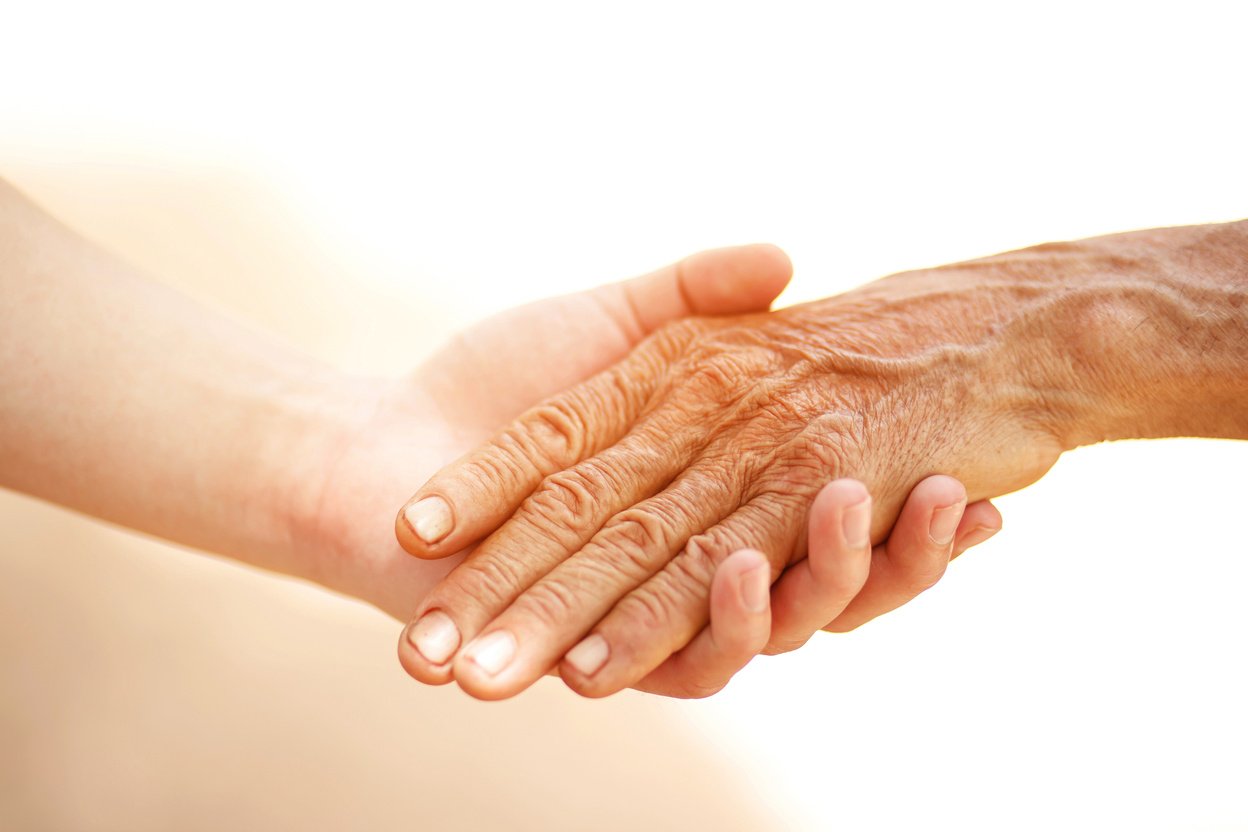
(1135, 335)
(617, 499)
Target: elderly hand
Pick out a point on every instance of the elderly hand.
(493, 371)
(607, 508)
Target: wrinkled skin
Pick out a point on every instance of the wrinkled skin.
(481, 379)
(609, 507)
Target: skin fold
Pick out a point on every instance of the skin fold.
(603, 512)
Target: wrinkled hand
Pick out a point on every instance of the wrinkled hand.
(480, 380)
(609, 507)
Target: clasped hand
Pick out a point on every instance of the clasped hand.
(660, 523)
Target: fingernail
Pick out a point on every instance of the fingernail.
(429, 518)
(590, 655)
(434, 636)
(492, 653)
(945, 523)
(976, 536)
(754, 588)
(856, 524)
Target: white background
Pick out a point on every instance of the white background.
(1085, 670)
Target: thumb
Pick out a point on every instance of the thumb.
(507, 363)
(721, 281)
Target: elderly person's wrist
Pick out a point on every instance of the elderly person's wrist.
(1147, 338)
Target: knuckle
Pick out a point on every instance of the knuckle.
(566, 499)
(482, 581)
(768, 523)
(702, 553)
(496, 465)
(643, 612)
(555, 430)
(640, 529)
(549, 603)
(719, 377)
(716, 371)
(635, 539)
(674, 337)
(685, 584)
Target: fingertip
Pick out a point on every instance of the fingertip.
(984, 513)
(735, 588)
(841, 493)
(741, 604)
(411, 660)
(475, 670)
(587, 656)
(838, 564)
(840, 519)
(771, 263)
(425, 528)
(736, 279)
(755, 586)
(403, 532)
(740, 561)
(409, 542)
(762, 274)
(980, 522)
(589, 679)
(938, 490)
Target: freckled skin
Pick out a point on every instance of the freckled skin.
(607, 508)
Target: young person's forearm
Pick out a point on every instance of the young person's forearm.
(125, 400)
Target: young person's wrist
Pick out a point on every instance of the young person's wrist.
(312, 421)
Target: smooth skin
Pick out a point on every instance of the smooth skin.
(127, 401)
(605, 511)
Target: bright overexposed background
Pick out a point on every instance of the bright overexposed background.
(1084, 670)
